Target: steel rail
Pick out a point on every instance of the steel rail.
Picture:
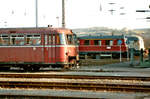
(10, 96)
(137, 78)
(76, 86)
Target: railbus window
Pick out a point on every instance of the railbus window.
(36, 39)
(13, 40)
(57, 39)
(62, 39)
(51, 40)
(33, 39)
(4, 40)
(29, 39)
(17, 39)
(86, 42)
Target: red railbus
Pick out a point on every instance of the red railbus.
(32, 48)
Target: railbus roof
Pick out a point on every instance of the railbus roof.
(35, 30)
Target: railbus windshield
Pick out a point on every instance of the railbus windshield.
(70, 39)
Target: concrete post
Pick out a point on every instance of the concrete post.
(132, 56)
(141, 56)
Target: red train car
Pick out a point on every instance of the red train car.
(31, 48)
(97, 46)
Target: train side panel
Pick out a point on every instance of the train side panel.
(21, 54)
(102, 48)
(27, 47)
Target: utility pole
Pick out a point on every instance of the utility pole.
(63, 14)
(36, 13)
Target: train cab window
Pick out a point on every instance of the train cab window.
(4, 40)
(70, 39)
(96, 42)
(109, 42)
(99, 42)
(86, 42)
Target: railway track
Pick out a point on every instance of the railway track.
(30, 75)
(76, 86)
(75, 82)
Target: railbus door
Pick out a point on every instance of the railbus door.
(49, 48)
(53, 48)
(45, 48)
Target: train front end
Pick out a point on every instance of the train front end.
(71, 50)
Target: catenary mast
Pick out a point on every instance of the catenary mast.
(63, 14)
